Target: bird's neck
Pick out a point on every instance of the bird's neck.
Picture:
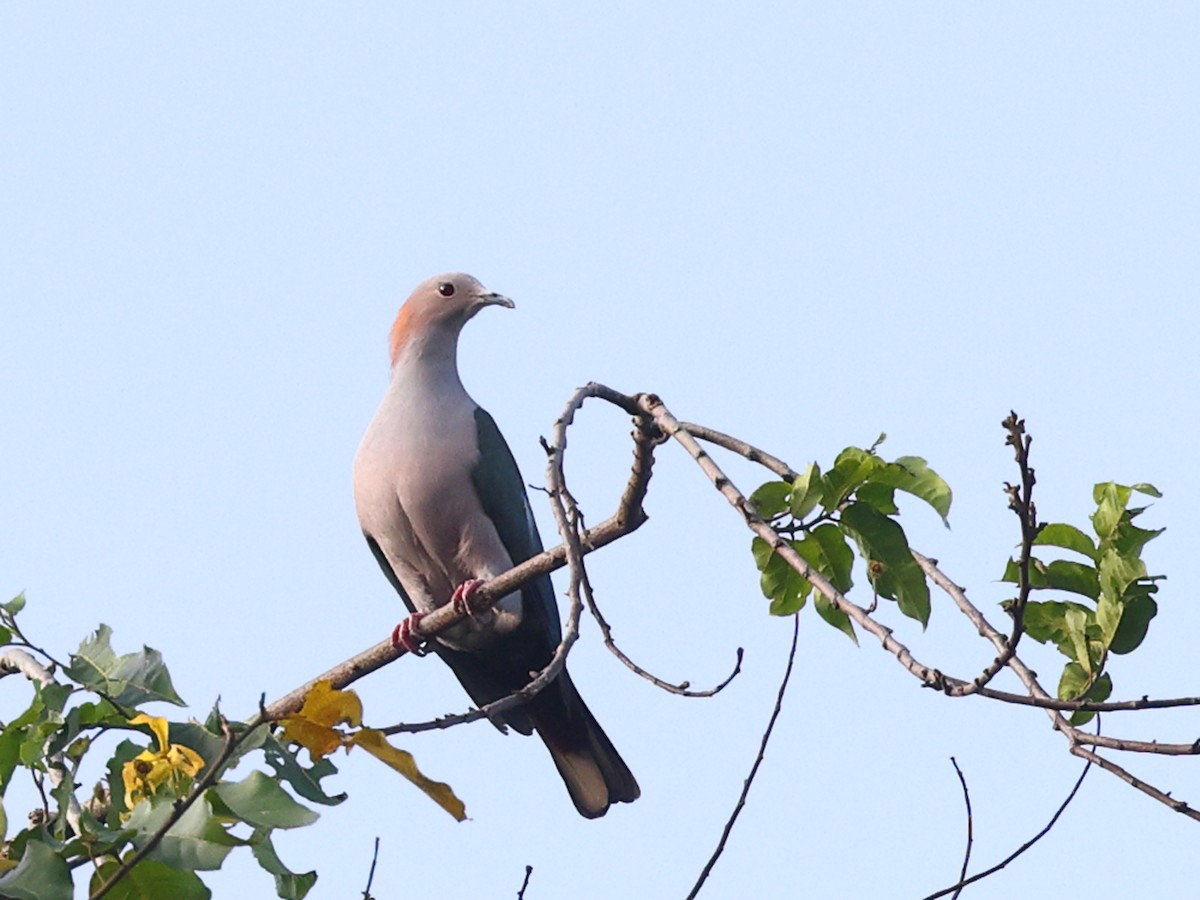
(429, 362)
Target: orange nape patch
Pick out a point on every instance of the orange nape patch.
(402, 330)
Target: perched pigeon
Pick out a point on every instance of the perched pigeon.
(444, 508)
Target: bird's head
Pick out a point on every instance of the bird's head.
(441, 303)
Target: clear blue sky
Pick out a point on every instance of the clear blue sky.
(804, 224)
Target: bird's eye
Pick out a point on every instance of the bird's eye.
(446, 289)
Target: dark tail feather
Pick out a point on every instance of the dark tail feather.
(590, 766)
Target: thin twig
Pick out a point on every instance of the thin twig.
(1180, 806)
(525, 883)
(956, 889)
(762, 750)
(1088, 705)
(1130, 746)
(740, 447)
(1020, 501)
(371, 874)
(645, 436)
(962, 873)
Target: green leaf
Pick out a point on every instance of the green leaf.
(837, 559)
(852, 468)
(1065, 575)
(1061, 575)
(41, 874)
(1108, 616)
(304, 781)
(130, 680)
(786, 588)
(1111, 499)
(828, 553)
(1100, 691)
(15, 605)
(880, 496)
(912, 475)
(834, 616)
(196, 842)
(1130, 539)
(1074, 682)
(1148, 489)
(124, 752)
(806, 492)
(209, 745)
(1076, 622)
(771, 499)
(890, 565)
(288, 884)
(1135, 620)
(150, 880)
(1069, 538)
(10, 749)
(762, 552)
(261, 801)
(6, 636)
(1118, 572)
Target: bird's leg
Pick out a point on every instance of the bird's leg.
(461, 599)
(402, 636)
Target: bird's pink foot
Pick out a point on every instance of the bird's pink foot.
(402, 636)
(461, 599)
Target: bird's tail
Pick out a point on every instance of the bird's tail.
(590, 766)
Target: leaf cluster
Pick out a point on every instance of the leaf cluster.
(1114, 594)
(825, 516)
(56, 737)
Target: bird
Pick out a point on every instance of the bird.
(443, 508)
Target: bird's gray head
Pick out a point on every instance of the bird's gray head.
(441, 302)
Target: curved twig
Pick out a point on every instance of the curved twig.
(962, 873)
(957, 888)
(762, 750)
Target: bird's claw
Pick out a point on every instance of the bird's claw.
(402, 636)
(461, 599)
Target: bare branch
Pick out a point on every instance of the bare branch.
(762, 750)
(1097, 740)
(962, 873)
(1020, 501)
(740, 447)
(371, 875)
(957, 888)
(525, 883)
(1150, 790)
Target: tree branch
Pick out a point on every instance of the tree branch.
(762, 750)
(956, 889)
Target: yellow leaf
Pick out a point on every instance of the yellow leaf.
(6, 864)
(325, 706)
(313, 727)
(318, 740)
(402, 761)
(157, 725)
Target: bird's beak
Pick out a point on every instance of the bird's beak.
(491, 298)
